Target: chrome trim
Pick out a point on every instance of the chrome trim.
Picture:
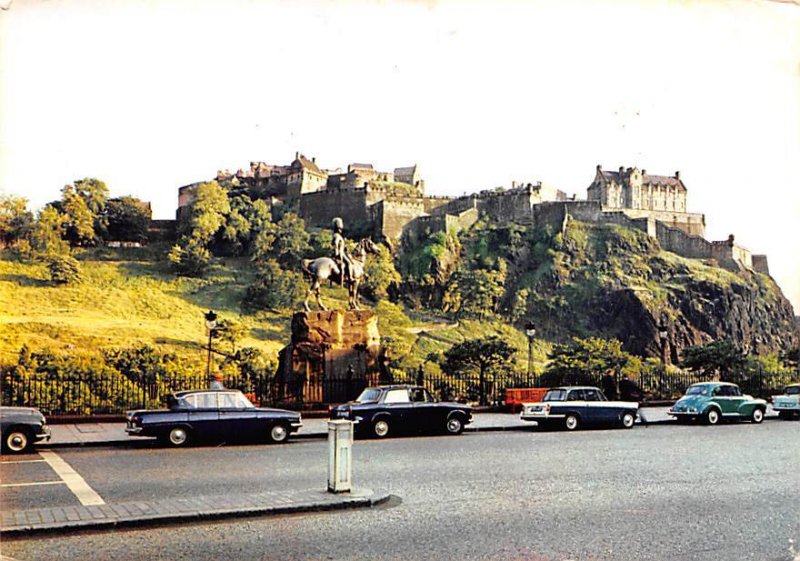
(133, 430)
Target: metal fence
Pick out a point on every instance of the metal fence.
(57, 395)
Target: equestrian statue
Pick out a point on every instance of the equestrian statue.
(346, 269)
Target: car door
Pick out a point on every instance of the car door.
(204, 415)
(736, 400)
(397, 403)
(234, 419)
(598, 409)
(576, 402)
(722, 397)
(425, 414)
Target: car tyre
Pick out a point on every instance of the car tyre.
(712, 417)
(454, 425)
(17, 441)
(628, 419)
(757, 416)
(572, 422)
(177, 437)
(380, 428)
(278, 433)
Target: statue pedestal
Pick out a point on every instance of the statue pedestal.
(332, 357)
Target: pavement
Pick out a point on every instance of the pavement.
(99, 516)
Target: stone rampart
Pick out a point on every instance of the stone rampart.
(760, 264)
(320, 208)
(390, 216)
(693, 224)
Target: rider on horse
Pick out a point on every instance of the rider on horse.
(340, 252)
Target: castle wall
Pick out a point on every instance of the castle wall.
(693, 224)
(320, 208)
(760, 264)
(391, 216)
(685, 245)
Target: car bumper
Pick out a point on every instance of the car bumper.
(789, 408)
(44, 434)
(294, 427)
(134, 431)
(539, 416)
(683, 414)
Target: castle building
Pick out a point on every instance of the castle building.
(640, 195)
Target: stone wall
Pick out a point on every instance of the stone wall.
(391, 215)
(319, 209)
(693, 224)
(760, 264)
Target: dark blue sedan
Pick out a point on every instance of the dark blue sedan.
(575, 406)
(388, 410)
(220, 415)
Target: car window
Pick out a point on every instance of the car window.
(203, 400)
(792, 390)
(591, 395)
(419, 395)
(734, 391)
(717, 391)
(575, 395)
(396, 396)
(229, 401)
(697, 390)
(555, 395)
(369, 395)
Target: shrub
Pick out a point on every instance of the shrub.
(274, 288)
(63, 269)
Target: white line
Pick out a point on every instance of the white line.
(86, 495)
(32, 484)
(20, 462)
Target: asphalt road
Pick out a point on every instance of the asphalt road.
(664, 492)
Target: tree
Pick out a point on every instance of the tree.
(380, 274)
(229, 331)
(488, 356)
(480, 290)
(285, 241)
(721, 358)
(127, 219)
(47, 235)
(584, 361)
(274, 288)
(206, 214)
(84, 203)
(63, 269)
(190, 259)
(16, 221)
(236, 232)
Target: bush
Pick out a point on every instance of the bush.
(274, 288)
(63, 269)
(190, 260)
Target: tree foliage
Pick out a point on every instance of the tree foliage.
(47, 236)
(274, 288)
(285, 241)
(380, 275)
(63, 269)
(16, 221)
(84, 202)
(722, 358)
(127, 219)
(584, 361)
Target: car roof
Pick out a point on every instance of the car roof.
(394, 387)
(187, 392)
(575, 388)
(712, 383)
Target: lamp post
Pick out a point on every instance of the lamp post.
(663, 331)
(530, 331)
(211, 323)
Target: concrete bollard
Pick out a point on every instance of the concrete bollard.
(340, 446)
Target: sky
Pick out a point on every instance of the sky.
(149, 95)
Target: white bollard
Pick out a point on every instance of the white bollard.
(340, 446)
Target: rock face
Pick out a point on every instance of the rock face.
(332, 357)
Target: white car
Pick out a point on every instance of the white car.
(788, 404)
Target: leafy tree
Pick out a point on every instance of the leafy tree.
(584, 361)
(321, 241)
(229, 331)
(47, 234)
(94, 192)
(285, 241)
(380, 274)
(127, 219)
(487, 356)
(16, 221)
(190, 259)
(721, 358)
(207, 213)
(481, 290)
(274, 288)
(84, 203)
(237, 230)
(64, 269)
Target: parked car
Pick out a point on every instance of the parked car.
(575, 406)
(21, 428)
(788, 404)
(387, 410)
(714, 401)
(212, 415)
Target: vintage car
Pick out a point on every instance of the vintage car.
(788, 404)
(576, 406)
(219, 415)
(714, 401)
(388, 410)
(21, 428)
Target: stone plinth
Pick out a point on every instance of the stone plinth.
(332, 356)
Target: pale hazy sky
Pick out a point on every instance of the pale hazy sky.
(151, 95)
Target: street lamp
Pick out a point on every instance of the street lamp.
(211, 323)
(663, 331)
(530, 331)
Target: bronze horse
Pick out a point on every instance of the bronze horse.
(324, 268)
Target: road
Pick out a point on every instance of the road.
(663, 492)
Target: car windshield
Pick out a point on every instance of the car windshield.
(555, 395)
(698, 390)
(792, 390)
(369, 395)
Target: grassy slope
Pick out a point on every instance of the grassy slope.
(125, 299)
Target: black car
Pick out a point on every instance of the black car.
(386, 410)
(219, 415)
(21, 428)
(576, 406)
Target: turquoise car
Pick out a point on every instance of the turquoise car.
(788, 404)
(713, 401)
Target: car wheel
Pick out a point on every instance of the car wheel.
(454, 425)
(758, 415)
(17, 441)
(380, 428)
(628, 419)
(278, 433)
(178, 436)
(571, 422)
(712, 417)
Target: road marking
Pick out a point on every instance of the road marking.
(86, 495)
(20, 462)
(31, 484)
